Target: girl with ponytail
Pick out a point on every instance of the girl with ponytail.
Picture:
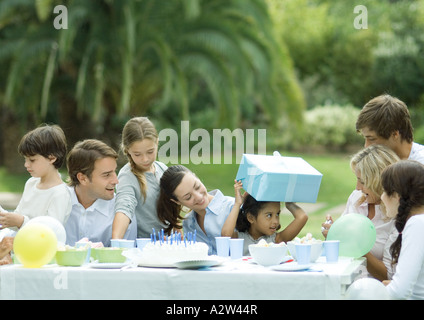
(403, 196)
(138, 188)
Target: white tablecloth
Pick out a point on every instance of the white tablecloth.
(235, 280)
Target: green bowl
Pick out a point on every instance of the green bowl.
(71, 257)
(109, 255)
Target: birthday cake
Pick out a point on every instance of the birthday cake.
(162, 253)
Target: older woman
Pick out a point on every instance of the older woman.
(367, 165)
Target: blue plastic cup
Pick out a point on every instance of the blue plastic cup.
(114, 243)
(303, 253)
(332, 250)
(84, 244)
(236, 248)
(126, 243)
(222, 246)
(141, 242)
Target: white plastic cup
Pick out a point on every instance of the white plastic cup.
(222, 246)
(236, 248)
(332, 250)
(141, 242)
(303, 253)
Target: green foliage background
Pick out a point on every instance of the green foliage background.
(298, 68)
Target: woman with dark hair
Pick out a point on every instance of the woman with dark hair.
(403, 196)
(180, 188)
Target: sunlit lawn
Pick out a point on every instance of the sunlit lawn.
(337, 183)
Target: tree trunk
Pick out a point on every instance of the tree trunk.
(11, 132)
(75, 128)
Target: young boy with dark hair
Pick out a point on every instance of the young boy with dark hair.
(45, 193)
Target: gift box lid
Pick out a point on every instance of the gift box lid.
(277, 178)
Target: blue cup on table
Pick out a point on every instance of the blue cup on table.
(332, 250)
(141, 242)
(222, 246)
(236, 248)
(303, 253)
(114, 243)
(84, 244)
(126, 243)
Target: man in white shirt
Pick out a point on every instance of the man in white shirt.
(92, 180)
(386, 120)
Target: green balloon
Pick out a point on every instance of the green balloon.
(356, 234)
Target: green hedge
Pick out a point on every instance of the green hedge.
(325, 128)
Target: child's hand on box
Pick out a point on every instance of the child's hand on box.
(238, 185)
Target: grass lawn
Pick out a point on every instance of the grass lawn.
(12, 182)
(337, 183)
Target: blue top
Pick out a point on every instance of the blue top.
(216, 213)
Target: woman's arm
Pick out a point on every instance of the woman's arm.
(293, 229)
(376, 267)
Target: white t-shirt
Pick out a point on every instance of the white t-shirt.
(383, 226)
(417, 152)
(54, 202)
(408, 281)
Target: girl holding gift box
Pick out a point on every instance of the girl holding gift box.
(403, 195)
(257, 220)
(179, 187)
(138, 188)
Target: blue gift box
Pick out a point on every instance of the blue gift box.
(277, 178)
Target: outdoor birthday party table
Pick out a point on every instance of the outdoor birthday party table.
(233, 279)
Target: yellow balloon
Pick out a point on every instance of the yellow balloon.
(35, 245)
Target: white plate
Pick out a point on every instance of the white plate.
(149, 264)
(155, 265)
(291, 266)
(106, 265)
(196, 264)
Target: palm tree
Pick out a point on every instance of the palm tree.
(126, 57)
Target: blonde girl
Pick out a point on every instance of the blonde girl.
(138, 188)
